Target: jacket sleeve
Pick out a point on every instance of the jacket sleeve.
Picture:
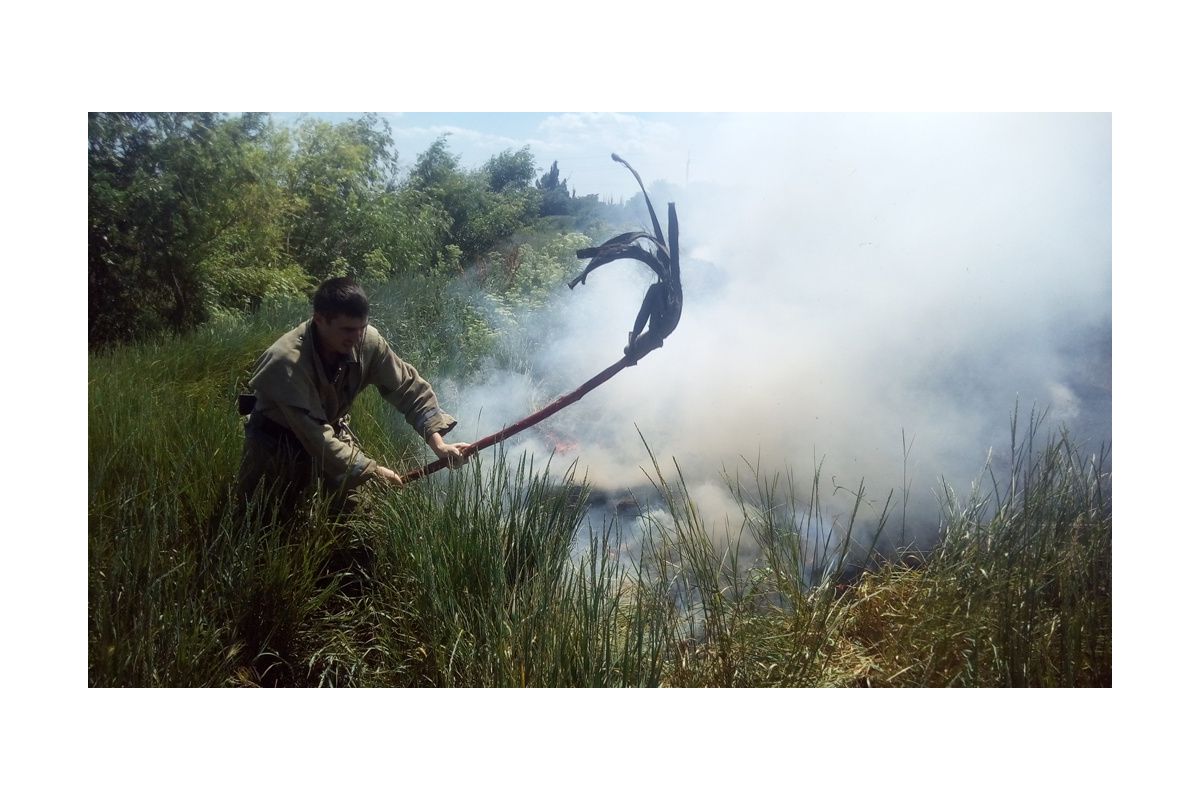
(337, 459)
(402, 387)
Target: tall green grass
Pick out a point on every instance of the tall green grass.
(1019, 590)
(480, 570)
(761, 603)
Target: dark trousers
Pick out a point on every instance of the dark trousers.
(278, 476)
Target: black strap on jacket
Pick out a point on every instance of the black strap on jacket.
(260, 423)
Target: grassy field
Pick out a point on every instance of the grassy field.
(487, 576)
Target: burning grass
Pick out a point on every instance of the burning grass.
(1017, 592)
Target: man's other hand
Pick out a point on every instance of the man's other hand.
(387, 476)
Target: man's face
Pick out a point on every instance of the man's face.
(340, 334)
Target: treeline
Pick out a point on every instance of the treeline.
(192, 215)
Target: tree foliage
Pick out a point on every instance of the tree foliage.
(155, 192)
(484, 206)
(194, 215)
(510, 171)
(556, 201)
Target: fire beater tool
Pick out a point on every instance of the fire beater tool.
(656, 319)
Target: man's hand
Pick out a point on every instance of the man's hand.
(387, 476)
(455, 454)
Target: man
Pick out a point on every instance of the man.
(304, 385)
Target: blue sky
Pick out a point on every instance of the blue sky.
(662, 146)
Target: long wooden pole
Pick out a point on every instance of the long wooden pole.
(520, 425)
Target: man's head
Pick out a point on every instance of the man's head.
(341, 296)
(340, 311)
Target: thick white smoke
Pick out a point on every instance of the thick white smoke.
(847, 278)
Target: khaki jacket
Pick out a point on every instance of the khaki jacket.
(293, 388)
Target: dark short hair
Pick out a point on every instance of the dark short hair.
(341, 296)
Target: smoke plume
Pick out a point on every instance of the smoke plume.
(851, 282)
